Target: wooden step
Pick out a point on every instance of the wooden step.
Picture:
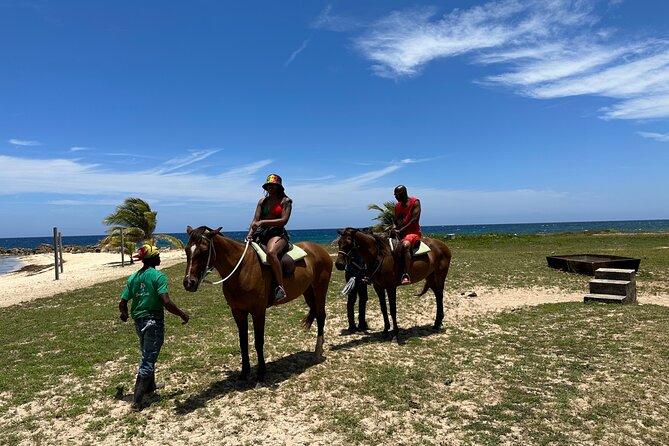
(607, 298)
(609, 286)
(615, 274)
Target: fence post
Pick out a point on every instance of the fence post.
(122, 249)
(55, 251)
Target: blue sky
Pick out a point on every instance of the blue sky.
(490, 112)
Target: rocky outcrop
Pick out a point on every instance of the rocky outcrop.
(45, 249)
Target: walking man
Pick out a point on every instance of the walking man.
(147, 288)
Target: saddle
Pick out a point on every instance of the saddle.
(287, 257)
(420, 249)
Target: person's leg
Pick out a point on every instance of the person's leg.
(362, 305)
(406, 253)
(274, 246)
(152, 336)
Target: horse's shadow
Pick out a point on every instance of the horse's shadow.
(277, 371)
(421, 331)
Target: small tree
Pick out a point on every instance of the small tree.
(386, 216)
(138, 222)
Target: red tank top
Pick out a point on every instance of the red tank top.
(274, 212)
(402, 213)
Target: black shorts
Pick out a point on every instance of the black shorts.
(263, 234)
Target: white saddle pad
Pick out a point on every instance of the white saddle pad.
(296, 253)
(419, 251)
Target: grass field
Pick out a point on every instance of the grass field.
(560, 373)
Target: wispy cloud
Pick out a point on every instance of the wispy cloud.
(78, 149)
(662, 137)
(179, 163)
(331, 22)
(551, 49)
(297, 52)
(23, 142)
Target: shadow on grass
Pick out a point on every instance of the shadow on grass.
(421, 331)
(277, 371)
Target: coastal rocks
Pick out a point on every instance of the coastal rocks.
(46, 249)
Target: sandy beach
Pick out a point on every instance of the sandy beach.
(37, 279)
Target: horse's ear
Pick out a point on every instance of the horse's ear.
(189, 230)
(340, 232)
(218, 231)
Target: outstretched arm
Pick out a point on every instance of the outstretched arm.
(123, 309)
(256, 219)
(172, 307)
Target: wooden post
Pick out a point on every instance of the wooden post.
(60, 250)
(122, 249)
(55, 251)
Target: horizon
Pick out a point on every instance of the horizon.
(499, 111)
(335, 228)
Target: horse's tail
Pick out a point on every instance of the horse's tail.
(309, 318)
(425, 288)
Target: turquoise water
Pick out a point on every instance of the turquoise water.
(326, 236)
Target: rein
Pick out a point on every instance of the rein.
(208, 269)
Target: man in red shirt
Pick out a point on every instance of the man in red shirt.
(407, 226)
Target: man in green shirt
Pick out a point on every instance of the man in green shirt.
(147, 288)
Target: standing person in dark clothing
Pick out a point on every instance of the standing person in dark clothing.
(356, 268)
(147, 288)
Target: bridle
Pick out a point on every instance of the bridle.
(209, 268)
(347, 255)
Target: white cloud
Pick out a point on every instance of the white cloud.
(176, 164)
(78, 149)
(551, 49)
(662, 137)
(24, 143)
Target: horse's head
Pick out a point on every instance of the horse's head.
(346, 244)
(200, 254)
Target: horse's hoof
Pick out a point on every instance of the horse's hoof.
(363, 327)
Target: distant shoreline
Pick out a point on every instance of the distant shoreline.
(326, 236)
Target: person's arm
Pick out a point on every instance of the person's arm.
(414, 217)
(256, 219)
(172, 307)
(123, 309)
(287, 206)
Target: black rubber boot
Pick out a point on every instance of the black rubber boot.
(141, 385)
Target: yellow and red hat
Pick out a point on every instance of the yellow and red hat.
(273, 178)
(146, 252)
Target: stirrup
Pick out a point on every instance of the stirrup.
(406, 280)
(279, 294)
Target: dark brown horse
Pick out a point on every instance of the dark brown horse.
(249, 286)
(383, 269)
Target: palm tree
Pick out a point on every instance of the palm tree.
(138, 222)
(386, 216)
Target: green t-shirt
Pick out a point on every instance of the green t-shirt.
(144, 287)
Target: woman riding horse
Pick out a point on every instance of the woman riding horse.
(268, 227)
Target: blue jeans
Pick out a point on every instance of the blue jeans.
(151, 333)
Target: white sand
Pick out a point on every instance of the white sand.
(79, 271)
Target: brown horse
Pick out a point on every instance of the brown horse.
(383, 269)
(249, 285)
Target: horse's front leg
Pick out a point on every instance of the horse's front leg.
(259, 341)
(241, 318)
(392, 301)
(381, 292)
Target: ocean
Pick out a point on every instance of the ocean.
(326, 236)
